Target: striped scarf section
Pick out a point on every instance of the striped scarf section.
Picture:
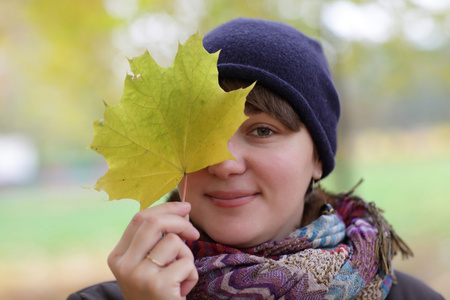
(337, 256)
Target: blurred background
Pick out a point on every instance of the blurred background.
(60, 60)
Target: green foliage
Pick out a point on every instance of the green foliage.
(58, 60)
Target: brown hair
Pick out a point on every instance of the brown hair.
(261, 99)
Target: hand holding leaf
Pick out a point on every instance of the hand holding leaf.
(169, 122)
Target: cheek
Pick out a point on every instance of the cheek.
(291, 170)
(290, 163)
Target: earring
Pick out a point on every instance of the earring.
(325, 209)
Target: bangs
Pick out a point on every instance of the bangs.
(261, 99)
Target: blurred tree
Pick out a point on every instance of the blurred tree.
(60, 59)
(56, 57)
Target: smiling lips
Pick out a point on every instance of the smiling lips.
(231, 199)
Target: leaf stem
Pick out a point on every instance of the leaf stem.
(185, 186)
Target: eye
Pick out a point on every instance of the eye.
(262, 132)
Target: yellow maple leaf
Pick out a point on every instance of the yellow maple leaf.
(169, 122)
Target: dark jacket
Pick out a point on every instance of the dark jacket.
(407, 288)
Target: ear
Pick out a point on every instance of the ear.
(317, 170)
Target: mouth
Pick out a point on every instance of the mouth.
(231, 199)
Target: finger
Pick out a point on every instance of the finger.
(149, 234)
(175, 208)
(178, 260)
(187, 285)
(169, 249)
(184, 272)
(177, 271)
(174, 253)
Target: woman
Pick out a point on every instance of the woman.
(255, 227)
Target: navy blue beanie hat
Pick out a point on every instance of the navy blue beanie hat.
(284, 60)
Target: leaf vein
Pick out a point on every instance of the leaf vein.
(149, 151)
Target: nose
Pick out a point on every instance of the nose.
(230, 167)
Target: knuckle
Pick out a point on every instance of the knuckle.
(190, 264)
(195, 275)
(190, 255)
(142, 218)
(172, 237)
(153, 221)
(124, 270)
(138, 218)
(112, 258)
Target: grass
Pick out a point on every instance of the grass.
(57, 221)
(413, 194)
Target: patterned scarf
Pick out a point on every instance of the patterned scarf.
(346, 255)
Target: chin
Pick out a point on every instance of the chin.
(235, 239)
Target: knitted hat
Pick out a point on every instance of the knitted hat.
(290, 64)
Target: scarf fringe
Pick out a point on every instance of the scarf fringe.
(388, 243)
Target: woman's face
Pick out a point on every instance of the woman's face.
(258, 197)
